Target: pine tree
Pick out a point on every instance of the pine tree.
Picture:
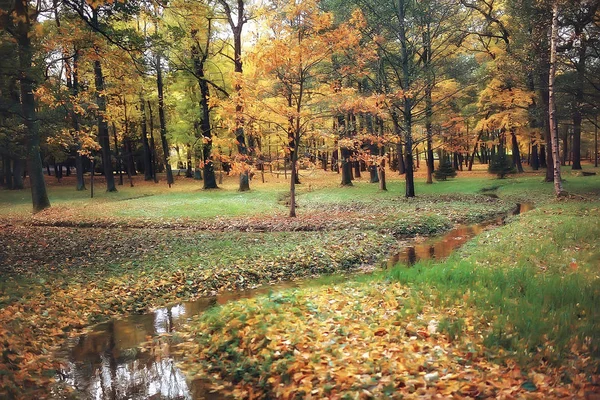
(445, 170)
(501, 165)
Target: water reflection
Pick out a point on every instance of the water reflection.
(442, 246)
(107, 363)
(438, 248)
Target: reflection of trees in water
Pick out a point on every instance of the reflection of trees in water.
(106, 364)
(437, 248)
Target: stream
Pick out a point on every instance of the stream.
(108, 363)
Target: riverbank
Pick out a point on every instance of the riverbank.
(59, 278)
(512, 314)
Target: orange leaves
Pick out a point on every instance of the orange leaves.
(346, 340)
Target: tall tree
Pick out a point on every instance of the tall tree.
(558, 188)
(20, 21)
(237, 16)
(290, 88)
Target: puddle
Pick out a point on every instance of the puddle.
(107, 362)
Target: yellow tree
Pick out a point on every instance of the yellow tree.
(507, 110)
(292, 64)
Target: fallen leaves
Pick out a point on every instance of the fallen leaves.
(341, 343)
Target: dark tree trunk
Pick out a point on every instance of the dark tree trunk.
(335, 161)
(565, 155)
(408, 101)
(189, 172)
(410, 183)
(472, 160)
(8, 174)
(163, 122)
(293, 179)
(543, 156)
(79, 171)
(103, 137)
(381, 170)
(18, 169)
(117, 155)
(373, 175)
(516, 153)
(39, 196)
(74, 83)
(535, 158)
(428, 102)
(346, 155)
(152, 145)
(199, 57)
(129, 157)
(357, 169)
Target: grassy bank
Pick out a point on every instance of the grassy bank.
(63, 271)
(514, 313)
(84, 260)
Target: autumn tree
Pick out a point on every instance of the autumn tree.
(19, 20)
(237, 15)
(291, 72)
(578, 19)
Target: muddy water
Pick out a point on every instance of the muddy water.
(107, 362)
(441, 247)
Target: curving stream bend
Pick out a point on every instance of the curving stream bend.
(107, 362)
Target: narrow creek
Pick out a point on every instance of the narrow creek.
(107, 362)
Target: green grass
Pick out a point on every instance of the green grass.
(541, 286)
(186, 200)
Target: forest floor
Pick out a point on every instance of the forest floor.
(86, 260)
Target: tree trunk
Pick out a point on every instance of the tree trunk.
(244, 183)
(162, 121)
(74, 83)
(516, 153)
(39, 196)
(18, 169)
(381, 169)
(558, 189)
(356, 169)
(152, 145)
(103, 137)
(147, 155)
(117, 155)
(428, 102)
(373, 175)
(408, 101)
(335, 161)
(535, 158)
(346, 154)
(210, 180)
(579, 99)
(293, 179)
(8, 174)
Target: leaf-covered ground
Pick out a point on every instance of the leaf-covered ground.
(62, 273)
(512, 315)
(85, 261)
